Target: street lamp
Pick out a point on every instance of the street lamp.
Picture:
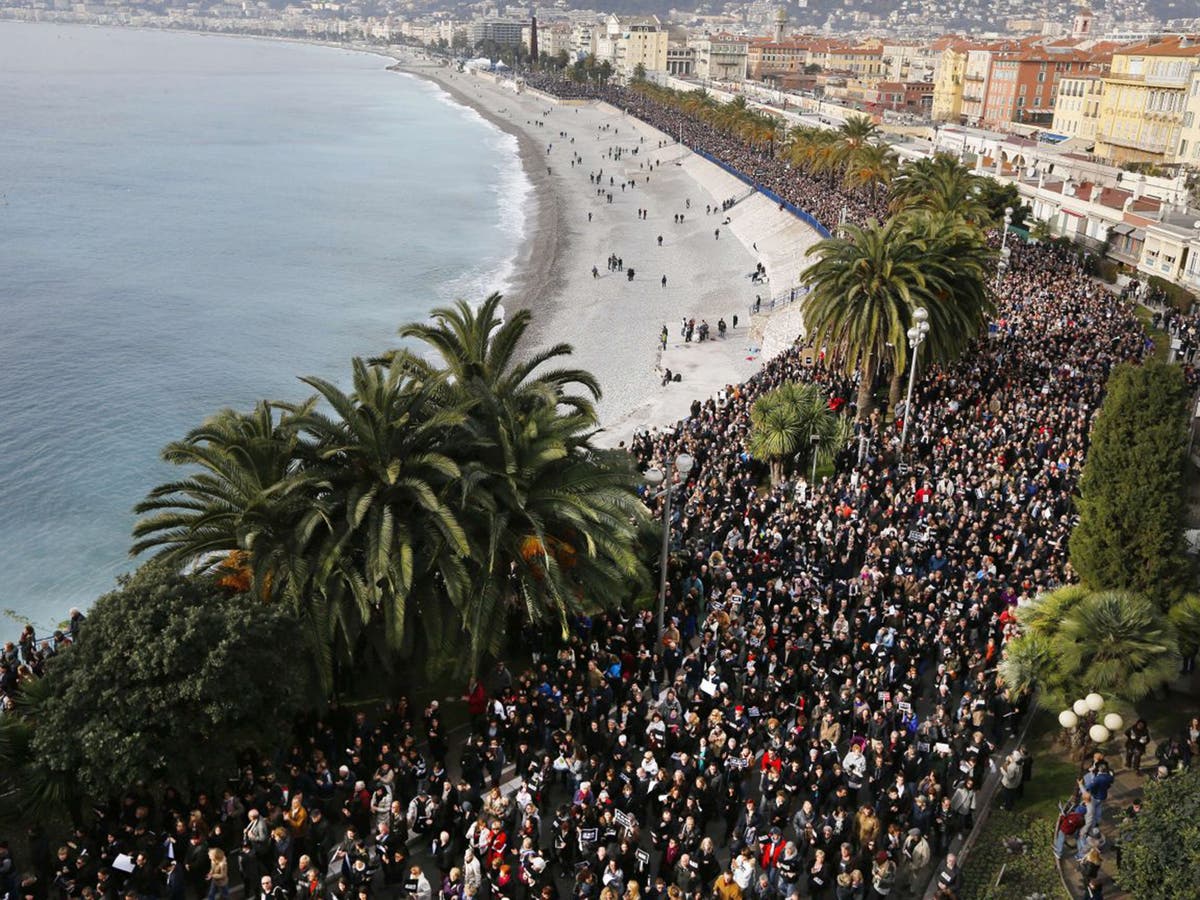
(1004, 251)
(683, 464)
(814, 440)
(916, 337)
(1083, 717)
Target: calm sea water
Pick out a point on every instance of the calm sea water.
(190, 222)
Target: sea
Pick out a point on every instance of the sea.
(191, 222)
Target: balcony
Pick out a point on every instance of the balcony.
(1167, 81)
(973, 76)
(1146, 146)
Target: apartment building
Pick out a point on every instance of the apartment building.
(1077, 107)
(721, 57)
(1146, 95)
(1024, 84)
(950, 78)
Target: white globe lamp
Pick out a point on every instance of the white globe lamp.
(1094, 702)
(1114, 723)
(1081, 708)
(1068, 719)
(1098, 733)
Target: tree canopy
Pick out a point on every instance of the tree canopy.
(1131, 494)
(791, 423)
(1116, 643)
(172, 677)
(1160, 847)
(421, 511)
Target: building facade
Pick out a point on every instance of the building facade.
(1145, 97)
(1077, 107)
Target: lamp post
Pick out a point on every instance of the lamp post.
(916, 337)
(813, 441)
(1003, 263)
(1083, 717)
(683, 464)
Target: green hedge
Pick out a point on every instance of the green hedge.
(1180, 298)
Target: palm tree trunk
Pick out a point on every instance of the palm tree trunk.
(867, 376)
(894, 390)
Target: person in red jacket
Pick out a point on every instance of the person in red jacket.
(476, 699)
(771, 852)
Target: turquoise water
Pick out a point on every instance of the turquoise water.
(189, 222)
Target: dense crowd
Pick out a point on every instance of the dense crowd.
(823, 199)
(815, 721)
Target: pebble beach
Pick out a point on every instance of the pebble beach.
(570, 152)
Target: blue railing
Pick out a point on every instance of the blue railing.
(796, 211)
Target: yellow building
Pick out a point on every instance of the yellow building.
(1143, 104)
(643, 42)
(1189, 141)
(1077, 107)
(948, 82)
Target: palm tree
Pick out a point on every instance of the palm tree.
(784, 423)
(552, 521)
(940, 184)
(864, 287)
(813, 150)
(855, 133)
(956, 296)
(389, 538)
(1116, 643)
(247, 501)
(870, 166)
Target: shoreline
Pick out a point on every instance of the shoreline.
(560, 246)
(615, 330)
(535, 273)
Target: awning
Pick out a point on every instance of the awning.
(1138, 234)
(1122, 229)
(1071, 212)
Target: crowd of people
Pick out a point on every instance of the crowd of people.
(814, 720)
(823, 199)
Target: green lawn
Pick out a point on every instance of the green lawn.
(1162, 340)
(1036, 814)
(1032, 821)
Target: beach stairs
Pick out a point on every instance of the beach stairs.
(750, 192)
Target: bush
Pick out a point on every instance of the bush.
(1107, 269)
(1160, 856)
(1132, 503)
(171, 679)
(1178, 297)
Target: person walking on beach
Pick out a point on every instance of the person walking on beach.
(660, 240)
(662, 337)
(664, 281)
(595, 272)
(716, 234)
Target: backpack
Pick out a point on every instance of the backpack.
(1070, 823)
